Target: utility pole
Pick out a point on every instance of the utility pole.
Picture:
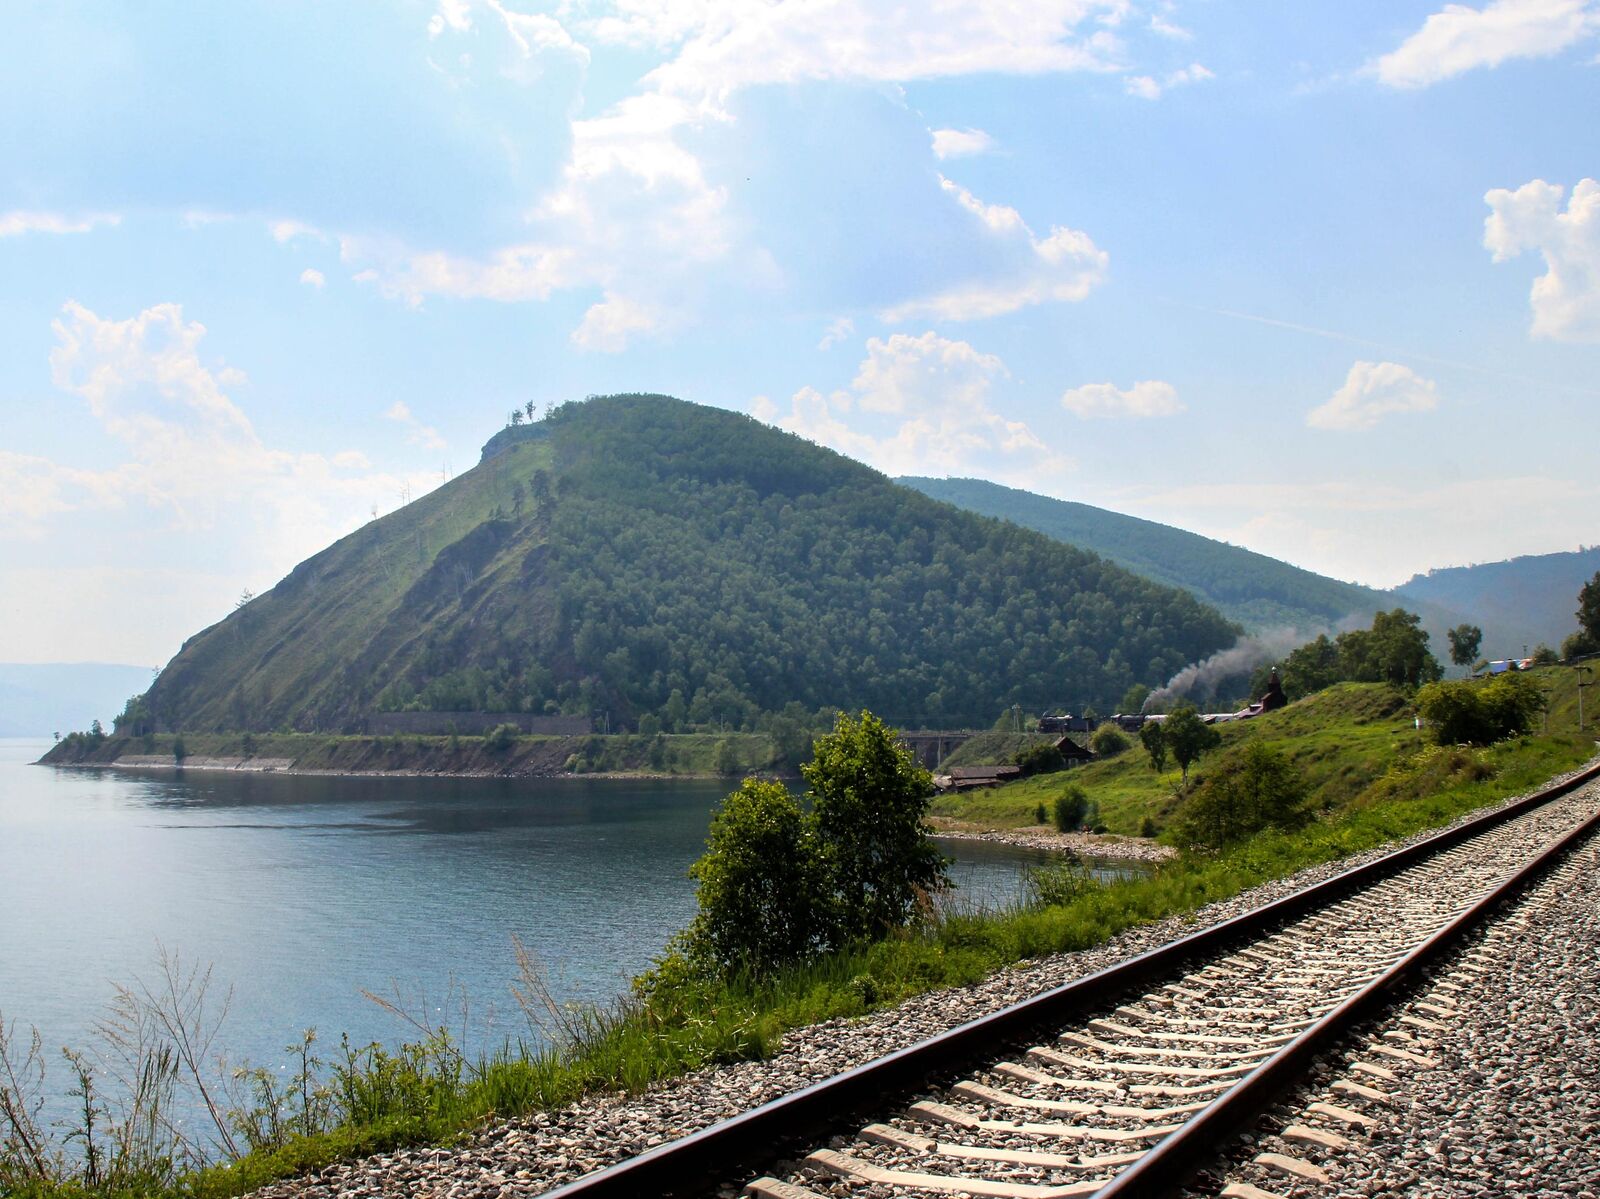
(1582, 670)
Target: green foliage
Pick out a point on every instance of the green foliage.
(1589, 608)
(1465, 640)
(500, 738)
(1578, 644)
(1154, 739)
(1394, 650)
(683, 552)
(179, 750)
(1480, 712)
(1132, 701)
(1250, 788)
(725, 759)
(1071, 809)
(1108, 741)
(1041, 814)
(869, 798)
(1058, 883)
(1543, 655)
(1041, 759)
(760, 885)
(1187, 737)
(1247, 587)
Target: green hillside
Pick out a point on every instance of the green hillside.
(638, 555)
(1257, 591)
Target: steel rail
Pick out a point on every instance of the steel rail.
(1171, 1162)
(711, 1154)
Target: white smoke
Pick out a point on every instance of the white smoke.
(1242, 657)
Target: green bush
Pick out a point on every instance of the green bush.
(501, 737)
(1070, 809)
(760, 884)
(1108, 741)
(1041, 759)
(1041, 815)
(1476, 712)
(1250, 788)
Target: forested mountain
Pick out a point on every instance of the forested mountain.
(639, 555)
(1522, 601)
(1257, 591)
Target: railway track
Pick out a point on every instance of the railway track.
(1125, 1082)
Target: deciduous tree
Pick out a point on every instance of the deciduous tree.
(1465, 640)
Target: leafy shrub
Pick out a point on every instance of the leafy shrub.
(1041, 815)
(1473, 712)
(760, 883)
(1148, 827)
(725, 760)
(1251, 787)
(1070, 809)
(500, 738)
(1109, 741)
(1041, 759)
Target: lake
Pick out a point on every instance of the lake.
(302, 892)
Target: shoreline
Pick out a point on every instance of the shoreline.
(1093, 845)
(216, 767)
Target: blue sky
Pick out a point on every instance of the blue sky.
(1320, 279)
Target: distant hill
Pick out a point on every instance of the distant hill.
(634, 556)
(1257, 591)
(37, 700)
(1522, 601)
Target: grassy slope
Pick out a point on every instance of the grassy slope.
(276, 652)
(1344, 740)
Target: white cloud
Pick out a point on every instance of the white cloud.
(1147, 87)
(417, 434)
(1065, 266)
(1566, 298)
(608, 325)
(961, 143)
(1371, 392)
(919, 405)
(1457, 39)
(19, 221)
(189, 450)
(838, 330)
(634, 213)
(285, 231)
(1160, 24)
(1147, 398)
(312, 277)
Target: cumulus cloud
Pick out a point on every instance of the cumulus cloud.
(838, 330)
(188, 449)
(1566, 298)
(19, 221)
(1457, 39)
(417, 433)
(312, 277)
(634, 212)
(1371, 392)
(1066, 265)
(608, 325)
(1148, 87)
(1147, 398)
(919, 405)
(961, 143)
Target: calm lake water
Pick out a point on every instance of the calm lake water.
(303, 892)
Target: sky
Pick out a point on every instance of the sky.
(1320, 279)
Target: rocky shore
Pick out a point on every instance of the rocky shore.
(1088, 845)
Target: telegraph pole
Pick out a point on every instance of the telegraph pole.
(1582, 670)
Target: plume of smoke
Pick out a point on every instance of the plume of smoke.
(1243, 656)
